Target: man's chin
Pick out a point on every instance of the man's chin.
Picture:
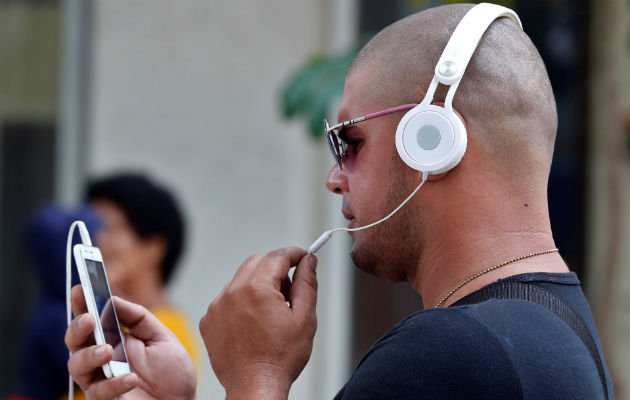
(359, 263)
(373, 264)
(363, 255)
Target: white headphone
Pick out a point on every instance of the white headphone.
(433, 139)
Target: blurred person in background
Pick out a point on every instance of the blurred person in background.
(43, 373)
(141, 239)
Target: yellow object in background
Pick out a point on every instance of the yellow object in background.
(179, 324)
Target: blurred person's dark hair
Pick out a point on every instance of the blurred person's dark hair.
(150, 209)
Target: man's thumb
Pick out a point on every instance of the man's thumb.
(303, 293)
(140, 322)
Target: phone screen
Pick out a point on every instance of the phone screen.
(106, 312)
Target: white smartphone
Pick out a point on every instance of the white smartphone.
(98, 299)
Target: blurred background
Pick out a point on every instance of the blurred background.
(221, 103)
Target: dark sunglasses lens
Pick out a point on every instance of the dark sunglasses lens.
(333, 143)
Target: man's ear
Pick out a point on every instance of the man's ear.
(461, 117)
(441, 104)
(437, 177)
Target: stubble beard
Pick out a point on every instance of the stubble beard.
(391, 249)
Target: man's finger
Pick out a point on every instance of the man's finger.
(303, 293)
(79, 333)
(77, 300)
(108, 389)
(84, 362)
(140, 322)
(246, 269)
(275, 265)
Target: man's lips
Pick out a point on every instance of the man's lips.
(348, 215)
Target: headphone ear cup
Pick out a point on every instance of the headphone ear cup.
(431, 139)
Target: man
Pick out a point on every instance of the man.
(484, 221)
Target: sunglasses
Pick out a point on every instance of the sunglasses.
(338, 145)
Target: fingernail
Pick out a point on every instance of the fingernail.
(99, 351)
(312, 260)
(128, 380)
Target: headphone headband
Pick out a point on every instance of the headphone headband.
(464, 40)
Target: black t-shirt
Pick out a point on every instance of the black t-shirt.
(496, 349)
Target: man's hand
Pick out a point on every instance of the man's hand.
(257, 343)
(161, 365)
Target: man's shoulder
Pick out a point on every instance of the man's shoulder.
(509, 320)
(483, 319)
(480, 330)
(512, 329)
(498, 348)
(436, 353)
(495, 349)
(443, 322)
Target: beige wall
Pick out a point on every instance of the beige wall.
(188, 91)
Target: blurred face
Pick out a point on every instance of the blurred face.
(128, 258)
(373, 182)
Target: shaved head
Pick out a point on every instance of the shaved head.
(505, 96)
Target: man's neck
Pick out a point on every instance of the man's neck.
(446, 266)
(477, 221)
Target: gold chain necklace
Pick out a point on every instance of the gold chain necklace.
(485, 271)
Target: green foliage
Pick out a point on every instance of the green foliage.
(311, 89)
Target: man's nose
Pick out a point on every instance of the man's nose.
(337, 180)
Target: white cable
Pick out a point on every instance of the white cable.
(328, 234)
(85, 238)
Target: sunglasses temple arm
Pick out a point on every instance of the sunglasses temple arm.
(404, 107)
